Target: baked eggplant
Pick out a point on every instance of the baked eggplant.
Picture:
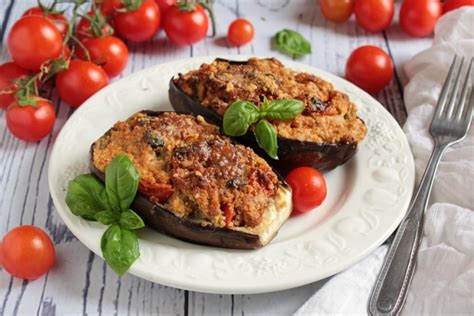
(324, 136)
(196, 184)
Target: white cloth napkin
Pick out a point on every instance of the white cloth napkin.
(444, 280)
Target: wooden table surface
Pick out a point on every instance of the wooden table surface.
(80, 282)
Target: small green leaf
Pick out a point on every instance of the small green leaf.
(267, 138)
(238, 117)
(129, 219)
(120, 248)
(106, 217)
(86, 196)
(291, 43)
(282, 109)
(121, 183)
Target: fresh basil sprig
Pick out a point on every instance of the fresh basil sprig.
(291, 43)
(240, 115)
(110, 205)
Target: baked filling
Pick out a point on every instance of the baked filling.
(195, 172)
(328, 117)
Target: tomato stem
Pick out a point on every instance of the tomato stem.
(208, 6)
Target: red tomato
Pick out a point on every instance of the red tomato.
(80, 81)
(139, 25)
(419, 17)
(84, 30)
(240, 32)
(9, 72)
(31, 122)
(308, 187)
(27, 252)
(33, 40)
(450, 5)
(374, 15)
(164, 5)
(108, 7)
(370, 68)
(58, 19)
(109, 52)
(337, 10)
(185, 27)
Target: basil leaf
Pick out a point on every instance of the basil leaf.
(130, 220)
(291, 43)
(86, 196)
(238, 117)
(121, 182)
(267, 138)
(106, 217)
(282, 109)
(120, 248)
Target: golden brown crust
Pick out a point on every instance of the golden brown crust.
(187, 165)
(328, 117)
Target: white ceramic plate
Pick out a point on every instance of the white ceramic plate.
(367, 197)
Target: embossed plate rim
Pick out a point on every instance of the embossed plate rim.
(371, 212)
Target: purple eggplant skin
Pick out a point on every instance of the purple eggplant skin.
(292, 153)
(157, 217)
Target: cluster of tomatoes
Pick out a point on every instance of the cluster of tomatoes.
(370, 67)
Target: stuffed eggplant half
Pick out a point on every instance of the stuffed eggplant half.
(323, 136)
(196, 184)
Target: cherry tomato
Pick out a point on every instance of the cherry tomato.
(28, 252)
(308, 187)
(240, 32)
(337, 10)
(34, 40)
(31, 122)
(108, 7)
(374, 15)
(185, 27)
(109, 52)
(450, 5)
(419, 17)
(80, 81)
(84, 30)
(58, 19)
(138, 25)
(370, 68)
(164, 5)
(9, 72)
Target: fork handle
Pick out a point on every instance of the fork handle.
(391, 286)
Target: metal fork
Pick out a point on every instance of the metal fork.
(450, 125)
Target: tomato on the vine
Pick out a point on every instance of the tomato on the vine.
(33, 121)
(108, 7)
(33, 40)
(93, 25)
(80, 81)
(186, 26)
(109, 52)
(450, 5)
(308, 189)
(370, 68)
(59, 19)
(240, 32)
(27, 252)
(374, 15)
(138, 24)
(419, 17)
(337, 10)
(8, 73)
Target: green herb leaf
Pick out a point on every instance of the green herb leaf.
(238, 117)
(282, 109)
(121, 183)
(106, 217)
(129, 219)
(120, 248)
(291, 43)
(267, 138)
(86, 196)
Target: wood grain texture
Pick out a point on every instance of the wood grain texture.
(80, 282)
